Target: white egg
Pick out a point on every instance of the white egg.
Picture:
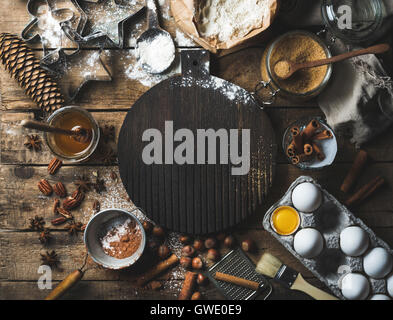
(354, 241)
(390, 285)
(378, 263)
(355, 286)
(306, 197)
(380, 297)
(308, 243)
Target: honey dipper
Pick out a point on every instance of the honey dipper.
(284, 69)
(78, 133)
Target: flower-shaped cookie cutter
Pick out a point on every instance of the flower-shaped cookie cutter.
(75, 70)
(109, 18)
(50, 18)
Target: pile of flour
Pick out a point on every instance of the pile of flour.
(226, 20)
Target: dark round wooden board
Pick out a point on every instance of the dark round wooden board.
(196, 198)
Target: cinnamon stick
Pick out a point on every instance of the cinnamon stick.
(365, 192)
(236, 280)
(308, 149)
(318, 151)
(323, 135)
(188, 286)
(300, 158)
(354, 172)
(297, 139)
(291, 150)
(311, 129)
(156, 270)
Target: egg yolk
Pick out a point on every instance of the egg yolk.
(285, 220)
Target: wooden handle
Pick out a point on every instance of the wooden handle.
(302, 285)
(42, 126)
(238, 281)
(380, 48)
(65, 285)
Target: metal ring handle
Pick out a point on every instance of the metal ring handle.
(259, 98)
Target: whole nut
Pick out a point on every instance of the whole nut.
(184, 239)
(185, 262)
(45, 187)
(210, 243)
(197, 263)
(199, 245)
(248, 245)
(153, 245)
(60, 190)
(229, 241)
(147, 226)
(188, 251)
(201, 279)
(196, 296)
(221, 236)
(163, 251)
(158, 232)
(212, 255)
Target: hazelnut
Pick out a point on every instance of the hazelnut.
(163, 251)
(184, 239)
(197, 263)
(201, 279)
(248, 245)
(185, 262)
(210, 243)
(188, 251)
(153, 245)
(229, 241)
(199, 245)
(158, 232)
(196, 296)
(213, 255)
(147, 226)
(221, 236)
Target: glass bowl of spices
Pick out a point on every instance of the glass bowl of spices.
(115, 238)
(71, 148)
(295, 46)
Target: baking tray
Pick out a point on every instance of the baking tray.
(236, 263)
(330, 219)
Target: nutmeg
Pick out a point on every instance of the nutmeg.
(185, 262)
(212, 254)
(199, 245)
(197, 263)
(229, 241)
(248, 245)
(201, 279)
(188, 251)
(163, 251)
(196, 296)
(158, 232)
(184, 239)
(210, 243)
(147, 226)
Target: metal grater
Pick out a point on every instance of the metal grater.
(236, 263)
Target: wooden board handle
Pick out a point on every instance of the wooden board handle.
(302, 285)
(65, 285)
(236, 280)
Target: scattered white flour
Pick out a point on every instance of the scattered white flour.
(231, 19)
(115, 234)
(183, 40)
(164, 9)
(157, 53)
(51, 32)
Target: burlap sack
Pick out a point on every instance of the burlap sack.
(184, 13)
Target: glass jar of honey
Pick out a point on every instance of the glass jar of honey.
(68, 147)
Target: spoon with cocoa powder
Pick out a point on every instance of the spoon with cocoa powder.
(284, 69)
(78, 133)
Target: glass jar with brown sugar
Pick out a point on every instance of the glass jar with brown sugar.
(295, 46)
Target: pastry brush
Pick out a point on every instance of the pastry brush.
(272, 267)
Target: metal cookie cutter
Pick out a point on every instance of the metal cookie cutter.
(114, 11)
(64, 13)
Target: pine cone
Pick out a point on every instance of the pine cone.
(20, 62)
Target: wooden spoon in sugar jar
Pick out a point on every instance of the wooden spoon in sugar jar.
(284, 69)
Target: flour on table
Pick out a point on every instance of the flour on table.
(183, 40)
(52, 34)
(231, 19)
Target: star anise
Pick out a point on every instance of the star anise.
(45, 236)
(74, 227)
(37, 223)
(108, 133)
(83, 183)
(50, 259)
(109, 157)
(33, 142)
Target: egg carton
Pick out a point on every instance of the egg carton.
(330, 219)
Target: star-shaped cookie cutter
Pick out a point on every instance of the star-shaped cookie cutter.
(75, 70)
(124, 14)
(56, 16)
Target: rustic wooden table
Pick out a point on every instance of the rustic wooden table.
(21, 169)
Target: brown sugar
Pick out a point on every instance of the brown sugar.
(299, 48)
